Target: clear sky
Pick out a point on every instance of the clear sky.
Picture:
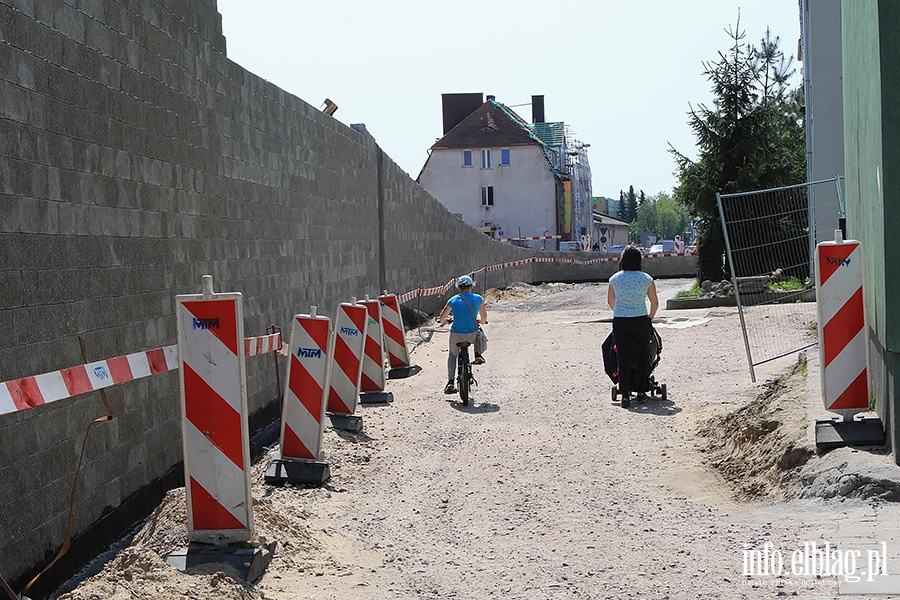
(622, 74)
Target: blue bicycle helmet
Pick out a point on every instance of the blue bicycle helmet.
(464, 281)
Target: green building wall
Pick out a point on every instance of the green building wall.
(871, 95)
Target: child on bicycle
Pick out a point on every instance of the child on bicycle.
(463, 306)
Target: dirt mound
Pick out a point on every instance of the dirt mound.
(514, 291)
(760, 448)
(278, 514)
(138, 572)
(522, 291)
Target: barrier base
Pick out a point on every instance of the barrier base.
(865, 431)
(289, 470)
(351, 423)
(403, 372)
(376, 397)
(250, 562)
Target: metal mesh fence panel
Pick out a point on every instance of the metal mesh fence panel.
(770, 237)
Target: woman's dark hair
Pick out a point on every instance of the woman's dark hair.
(630, 259)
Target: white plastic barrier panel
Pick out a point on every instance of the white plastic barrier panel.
(394, 338)
(843, 337)
(585, 242)
(214, 416)
(349, 343)
(372, 379)
(303, 415)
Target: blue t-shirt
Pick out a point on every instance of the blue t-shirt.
(631, 293)
(463, 321)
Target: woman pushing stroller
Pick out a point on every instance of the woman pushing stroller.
(629, 290)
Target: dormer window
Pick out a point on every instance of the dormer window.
(487, 124)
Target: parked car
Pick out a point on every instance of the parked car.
(663, 246)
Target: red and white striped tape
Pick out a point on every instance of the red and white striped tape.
(523, 239)
(394, 337)
(441, 289)
(372, 378)
(254, 346)
(29, 392)
(303, 416)
(842, 326)
(214, 418)
(349, 343)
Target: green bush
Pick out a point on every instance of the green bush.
(691, 293)
(790, 285)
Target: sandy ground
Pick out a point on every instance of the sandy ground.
(544, 487)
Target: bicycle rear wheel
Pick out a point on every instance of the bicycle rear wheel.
(463, 375)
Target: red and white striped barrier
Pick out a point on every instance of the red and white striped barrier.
(214, 416)
(843, 337)
(303, 415)
(350, 339)
(28, 392)
(585, 242)
(394, 336)
(372, 378)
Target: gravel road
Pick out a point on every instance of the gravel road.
(545, 488)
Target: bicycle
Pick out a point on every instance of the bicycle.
(464, 377)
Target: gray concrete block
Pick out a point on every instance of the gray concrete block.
(69, 22)
(16, 101)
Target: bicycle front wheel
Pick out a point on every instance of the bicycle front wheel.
(463, 376)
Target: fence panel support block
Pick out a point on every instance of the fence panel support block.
(286, 470)
(403, 372)
(865, 431)
(376, 397)
(352, 423)
(249, 561)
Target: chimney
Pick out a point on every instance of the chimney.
(491, 97)
(457, 107)
(537, 109)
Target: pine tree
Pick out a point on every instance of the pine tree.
(751, 139)
(622, 209)
(631, 204)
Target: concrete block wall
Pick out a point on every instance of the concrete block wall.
(135, 158)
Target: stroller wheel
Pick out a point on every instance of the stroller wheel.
(662, 392)
(615, 392)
